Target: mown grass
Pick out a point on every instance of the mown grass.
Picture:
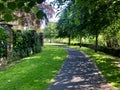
(35, 72)
(108, 65)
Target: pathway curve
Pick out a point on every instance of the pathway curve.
(79, 73)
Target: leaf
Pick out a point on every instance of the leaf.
(1, 7)
(31, 4)
(40, 14)
(2, 34)
(77, 22)
(8, 17)
(27, 9)
(36, 9)
(20, 4)
(4, 0)
(11, 5)
(40, 1)
(1, 30)
(81, 2)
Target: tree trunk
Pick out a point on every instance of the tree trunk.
(50, 40)
(96, 41)
(69, 40)
(80, 40)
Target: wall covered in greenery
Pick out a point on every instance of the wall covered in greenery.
(23, 44)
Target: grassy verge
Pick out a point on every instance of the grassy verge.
(108, 65)
(35, 72)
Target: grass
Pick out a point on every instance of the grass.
(108, 65)
(35, 72)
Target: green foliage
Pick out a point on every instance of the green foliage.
(8, 17)
(1, 6)
(88, 18)
(25, 43)
(50, 31)
(36, 9)
(20, 4)
(31, 4)
(67, 26)
(35, 72)
(40, 1)
(3, 43)
(11, 5)
(40, 14)
(15, 5)
(27, 9)
(3, 35)
(111, 35)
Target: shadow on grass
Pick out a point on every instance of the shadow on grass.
(33, 73)
(110, 70)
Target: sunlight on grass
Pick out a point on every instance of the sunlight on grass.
(57, 58)
(106, 64)
(35, 72)
(53, 44)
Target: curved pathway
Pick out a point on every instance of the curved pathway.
(79, 73)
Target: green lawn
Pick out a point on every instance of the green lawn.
(35, 72)
(108, 65)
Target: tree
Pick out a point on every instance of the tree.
(111, 35)
(27, 12)
(7, 8)
(65, 26)
(95, 16)
(50, 31)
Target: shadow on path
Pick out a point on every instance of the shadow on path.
(79, 73)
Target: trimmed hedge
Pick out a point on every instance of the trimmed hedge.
(111, 51)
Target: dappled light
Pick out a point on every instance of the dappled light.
(108, 65)
(79, 73)
(35, 72)
(33, 57)
(57, 58)
(59, 44)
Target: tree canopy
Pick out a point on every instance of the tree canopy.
(8, 7)
(89, 16)
(27, 13)
(50, 31)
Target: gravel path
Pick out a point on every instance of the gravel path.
(79, 73)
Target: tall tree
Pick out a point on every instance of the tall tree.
(50, 31)
(95, 16)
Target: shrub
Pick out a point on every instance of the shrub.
(25, 43)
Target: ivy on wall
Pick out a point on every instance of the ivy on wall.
(24, 43)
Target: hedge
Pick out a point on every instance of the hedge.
(24, 43)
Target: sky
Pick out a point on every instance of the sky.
(54, 18)
(48, 1)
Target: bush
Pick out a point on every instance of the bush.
(20, 44)
(25, 43)
(111, 51)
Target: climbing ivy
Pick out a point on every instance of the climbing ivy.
(25, 43)
(3, 43)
